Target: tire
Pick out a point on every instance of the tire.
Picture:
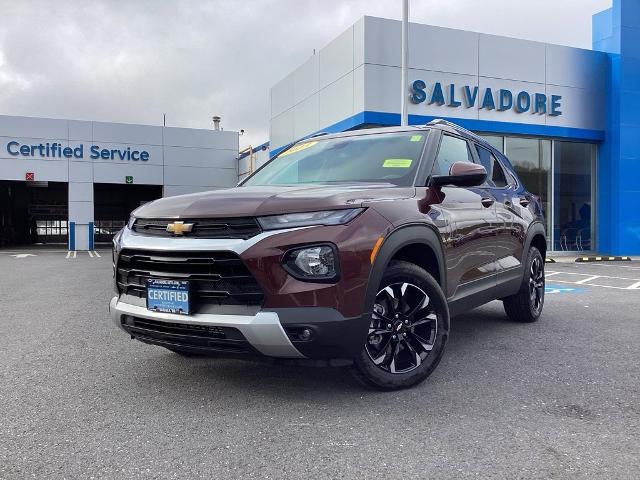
(408, 330)
(526, 305)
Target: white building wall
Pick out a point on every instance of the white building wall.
(360, 71)
(324, 90)
(182, 160)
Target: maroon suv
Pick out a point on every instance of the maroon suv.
(346, 249)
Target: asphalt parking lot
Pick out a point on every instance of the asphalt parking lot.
(555, 399)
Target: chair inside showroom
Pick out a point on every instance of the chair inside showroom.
(583, 239)
(569, 239)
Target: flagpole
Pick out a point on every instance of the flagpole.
(404, 116)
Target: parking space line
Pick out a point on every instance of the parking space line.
(635, 282)
(608, 265)
(588, 279)
(591, 285)
(548, 274)
(607, 286)
(599, 276)
(91, 253)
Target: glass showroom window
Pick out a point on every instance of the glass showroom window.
(495, 141)
(531, 158)
(573, 215)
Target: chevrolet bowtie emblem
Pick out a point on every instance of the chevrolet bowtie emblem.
(179, 228)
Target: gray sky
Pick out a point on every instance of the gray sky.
(131, 61)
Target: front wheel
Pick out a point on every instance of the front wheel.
(526, 305)
(408, 329)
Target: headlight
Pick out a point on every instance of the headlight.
(115, 247)
(317, 263)
(327, 217)
(115, 251)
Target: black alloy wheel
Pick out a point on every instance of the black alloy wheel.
(408, 329)
(526, 305)
(403, 328)
(536, 284)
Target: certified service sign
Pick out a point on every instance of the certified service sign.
(59, 151)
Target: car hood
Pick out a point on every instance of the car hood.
(271, 200)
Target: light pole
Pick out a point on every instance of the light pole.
(404, 115)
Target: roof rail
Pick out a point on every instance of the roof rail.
(441, 121)
(317, 134)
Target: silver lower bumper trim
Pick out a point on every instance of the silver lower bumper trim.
(262, 330)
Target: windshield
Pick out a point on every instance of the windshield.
(389, 158)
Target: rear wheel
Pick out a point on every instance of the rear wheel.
(526, 305)
(408, 329)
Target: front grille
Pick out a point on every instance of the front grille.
(216, 278)
(202, 337)
(202, 227)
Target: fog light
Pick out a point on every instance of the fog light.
(315, 263)
(299, 334)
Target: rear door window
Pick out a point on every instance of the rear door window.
(495, 173)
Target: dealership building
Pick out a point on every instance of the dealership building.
(75, 182)
(567, 118)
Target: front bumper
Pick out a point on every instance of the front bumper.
(262, 331)
(273, 327)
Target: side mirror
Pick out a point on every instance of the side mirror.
(462, 174)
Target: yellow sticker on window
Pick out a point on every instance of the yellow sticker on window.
(397, 163)
(298, 148)
(415, 138)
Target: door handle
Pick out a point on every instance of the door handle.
(487, 202)
(524, 201)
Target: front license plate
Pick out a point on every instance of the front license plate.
(170, 296)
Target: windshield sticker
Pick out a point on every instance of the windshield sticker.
(415, 138)
(298, 148)
(397, 163)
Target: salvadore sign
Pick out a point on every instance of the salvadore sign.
(502, 99)
(56, 150)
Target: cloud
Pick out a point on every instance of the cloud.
(132, 61)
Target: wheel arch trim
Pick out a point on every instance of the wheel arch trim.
(536, 228)
(403, 236)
